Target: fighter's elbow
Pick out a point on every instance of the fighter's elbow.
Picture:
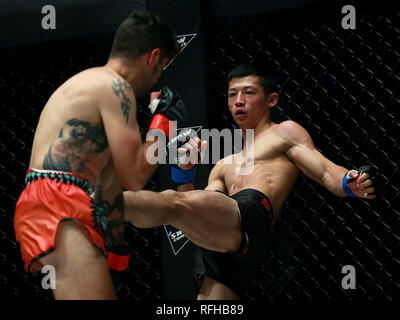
(134, 179)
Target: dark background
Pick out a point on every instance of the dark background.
(340, 85)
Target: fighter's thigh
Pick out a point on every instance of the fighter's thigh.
(81, 269)
(205, 202)
(72, 244)
(212, 217)
(211, 289)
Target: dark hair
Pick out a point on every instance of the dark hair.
(266, 75)
(141, 32)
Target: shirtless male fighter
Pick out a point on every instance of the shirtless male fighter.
(87, 146)
(233, 229)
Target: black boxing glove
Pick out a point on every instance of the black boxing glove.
(169, 107)
(347, 179)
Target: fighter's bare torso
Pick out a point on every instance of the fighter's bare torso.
(70, 134)
(271, 172)
(70, 137)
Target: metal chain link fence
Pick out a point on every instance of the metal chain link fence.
(29, 75)
(341, 85)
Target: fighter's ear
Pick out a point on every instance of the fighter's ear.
(272, 99)
(153, 57)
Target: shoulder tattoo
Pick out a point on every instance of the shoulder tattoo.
(121, 89)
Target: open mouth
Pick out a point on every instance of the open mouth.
(239, 112)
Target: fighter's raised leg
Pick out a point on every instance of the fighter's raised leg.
(207, 218)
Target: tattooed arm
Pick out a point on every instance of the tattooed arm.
(118, 111)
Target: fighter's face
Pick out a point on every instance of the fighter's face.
(157, 70)
(150, 78)
(247, 101)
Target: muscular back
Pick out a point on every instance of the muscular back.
(70, 137)
(70, 134)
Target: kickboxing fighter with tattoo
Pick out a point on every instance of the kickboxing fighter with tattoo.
(232, 226)
(87, 147)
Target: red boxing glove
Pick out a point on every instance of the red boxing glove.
(161, 122)
(169, 107)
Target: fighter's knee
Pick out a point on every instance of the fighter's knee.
(180, 204)
(170, 194)
(174, 198)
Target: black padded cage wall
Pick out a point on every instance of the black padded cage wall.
(29, 75)
(342, 86)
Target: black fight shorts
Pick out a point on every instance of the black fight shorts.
(238, 271)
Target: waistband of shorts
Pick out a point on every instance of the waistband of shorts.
(33, 174)
(256, 193)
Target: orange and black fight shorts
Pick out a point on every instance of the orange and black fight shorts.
(49, 198)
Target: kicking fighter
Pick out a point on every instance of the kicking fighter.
(232, 226)
(87, 146)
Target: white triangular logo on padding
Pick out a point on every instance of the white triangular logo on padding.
(183, 40)
(176, 238)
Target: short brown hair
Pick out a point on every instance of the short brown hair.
(141, 32)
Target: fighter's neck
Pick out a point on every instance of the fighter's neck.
(126, 70)
(263, 125)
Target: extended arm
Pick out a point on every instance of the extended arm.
(313, 164)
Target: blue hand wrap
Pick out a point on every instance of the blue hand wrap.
(182, 176)
(346, 189)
